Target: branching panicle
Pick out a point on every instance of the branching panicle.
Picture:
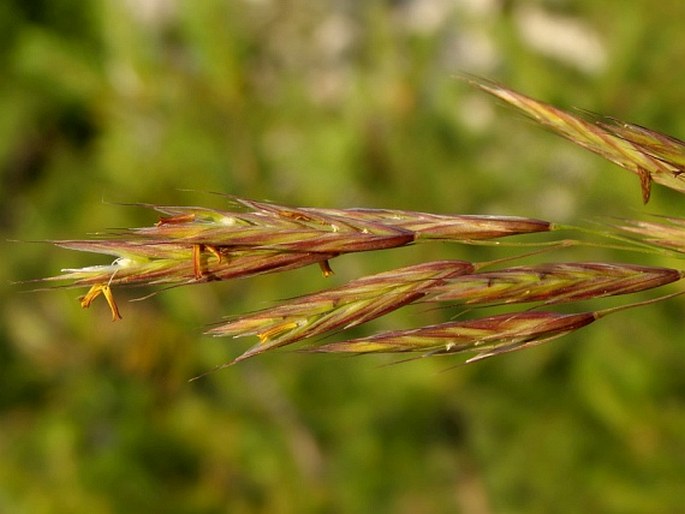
(189, 245)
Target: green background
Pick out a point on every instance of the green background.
(332, 104)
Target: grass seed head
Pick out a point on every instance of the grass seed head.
(650, 155)
(487, 336)
(669, 235)
(552, 283)
(351, 304)
(195, 244)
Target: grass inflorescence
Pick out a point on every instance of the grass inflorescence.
(190, 245)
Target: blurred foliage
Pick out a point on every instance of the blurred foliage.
(335, 104)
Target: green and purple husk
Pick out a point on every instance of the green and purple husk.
(669, 235)
(488, 336)
(340, 308)
(196, 244)
(552, 283)
(652, 156)
(370, 297)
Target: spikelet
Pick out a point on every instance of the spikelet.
(486, 337)
(552, 283)
(340, 308)
(196, 244)
(370, 297)
(652, 156)
(669, 235)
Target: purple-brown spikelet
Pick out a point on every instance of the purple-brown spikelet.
(660, 146)
(669, 235)
(487, 336)
(650, 155)
(170, 263)
(196, 244)
(552, 283)
(429, 226)
(423, 225)
(370, 297)
(275, 228)
(342, 307)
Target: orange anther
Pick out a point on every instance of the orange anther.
(197, 258)
(214, 251)
(326, 269)
(106, 291)
(197, 261)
